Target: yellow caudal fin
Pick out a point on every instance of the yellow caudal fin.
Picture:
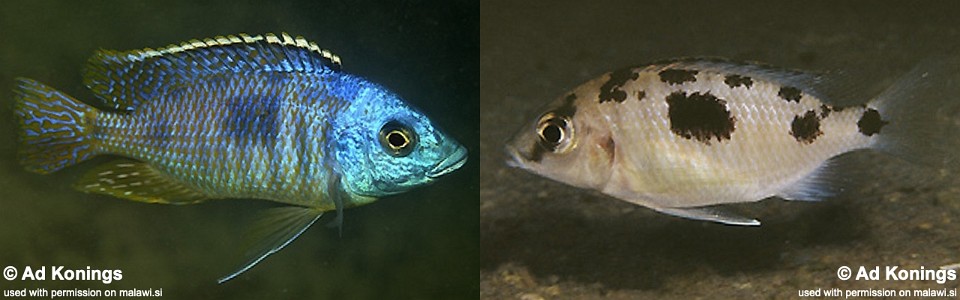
(54, 128)
(134, 180)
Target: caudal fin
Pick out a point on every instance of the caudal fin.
(54, 128)
(922, 115)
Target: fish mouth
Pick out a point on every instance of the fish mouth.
(515, 159)
(449, 164)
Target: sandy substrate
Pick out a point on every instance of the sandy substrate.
(542, 239)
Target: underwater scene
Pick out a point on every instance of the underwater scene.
(413, 60)
(868, 225)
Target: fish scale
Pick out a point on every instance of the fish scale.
(741, 168)
(268, 117)
(242, 168)
(684, 136)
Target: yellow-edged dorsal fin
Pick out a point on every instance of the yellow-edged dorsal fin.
(124, 79)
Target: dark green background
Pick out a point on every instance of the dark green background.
(421, 244)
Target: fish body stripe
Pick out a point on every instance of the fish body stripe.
(233, 136)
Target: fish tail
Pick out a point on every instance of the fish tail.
(54, 128)
(918, 115)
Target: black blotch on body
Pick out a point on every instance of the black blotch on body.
(870, 123)
(806, 128)
(611, 89)
(789, 94)
(825, 111)
(641, 94)
(253, 119)
(841, 108)
(678, 76)
(737, 80)
(700, 116)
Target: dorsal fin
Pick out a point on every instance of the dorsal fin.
(123, 79)
(809, 82)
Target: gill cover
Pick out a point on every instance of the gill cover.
(387, 147)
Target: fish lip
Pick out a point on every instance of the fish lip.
(515, 159)
(452, 162)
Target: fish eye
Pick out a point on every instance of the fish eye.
(551, 133)
(397, 139)
(555, 132)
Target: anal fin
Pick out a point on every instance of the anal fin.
(273, 231)
(137, 181)
(713, 214)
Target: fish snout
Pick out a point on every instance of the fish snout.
(449, 164)
(515, 159)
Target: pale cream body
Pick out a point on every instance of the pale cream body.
(652, 166)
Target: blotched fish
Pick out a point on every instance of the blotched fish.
(683, 136)
(266, 117)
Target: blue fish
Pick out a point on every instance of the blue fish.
(268, 117)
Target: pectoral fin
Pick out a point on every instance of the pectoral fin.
(272, 231)
(713, 214)
(137, 181)
(338, 196)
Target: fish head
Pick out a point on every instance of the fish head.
(568, 141)
(399, 147)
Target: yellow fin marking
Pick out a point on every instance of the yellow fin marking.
(137, 181)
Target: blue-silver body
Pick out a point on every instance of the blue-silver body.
(265, 117)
